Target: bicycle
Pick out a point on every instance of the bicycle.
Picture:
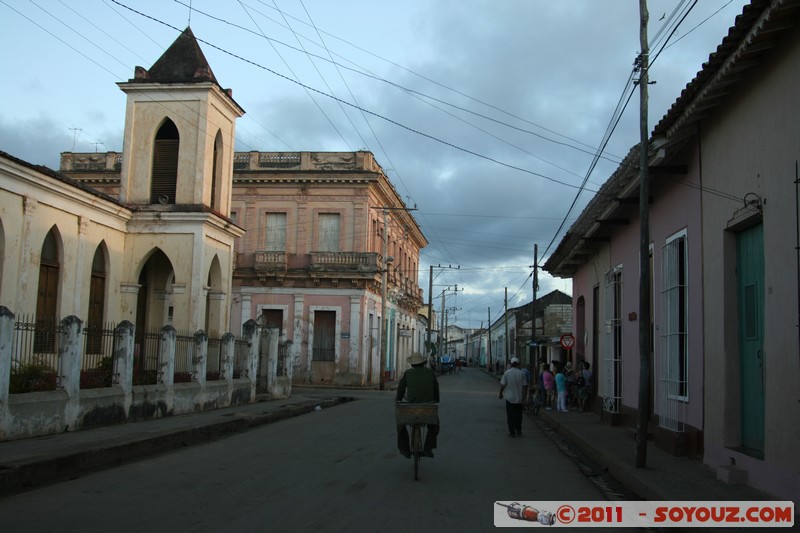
(417, 416)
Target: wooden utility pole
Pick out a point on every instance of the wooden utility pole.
(644, 248)
(430, 313)
(440, 354)
(505, 305)
(384, 281)
(489, 340)
(535, 360)
(480, 341)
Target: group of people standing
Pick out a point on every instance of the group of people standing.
(559, 386)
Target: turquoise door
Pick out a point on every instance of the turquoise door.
(750, 269)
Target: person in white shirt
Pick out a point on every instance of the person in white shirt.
(514, 388)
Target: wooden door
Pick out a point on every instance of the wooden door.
(750, 287)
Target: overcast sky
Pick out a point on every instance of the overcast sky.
(485, 114)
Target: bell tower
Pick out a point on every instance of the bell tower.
(179, 132)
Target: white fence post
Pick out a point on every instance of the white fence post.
(123, 360)
(70, 352)
(269, 365)
(167, 366)
(6, 351)
(200, 357)
(251, 335)
(228, 354)
(6, 347)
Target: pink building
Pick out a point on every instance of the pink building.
(724, 285)
(312, 263)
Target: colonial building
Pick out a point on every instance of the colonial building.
(322, 230)
(158, 252)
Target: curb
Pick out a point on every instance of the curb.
(38, 472)
(615, 468)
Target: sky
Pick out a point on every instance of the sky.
(487, 115)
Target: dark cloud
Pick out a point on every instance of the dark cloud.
(485, 192)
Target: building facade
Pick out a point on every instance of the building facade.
(322, 230)
(724, 286)
(158, 252)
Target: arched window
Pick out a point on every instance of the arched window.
(216, 172)
(97, 294)
(165, 164)
(47, 295)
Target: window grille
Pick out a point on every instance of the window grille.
(612, 371)
(674, 359)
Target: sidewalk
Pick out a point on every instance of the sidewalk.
(38, 461)
(665, 477)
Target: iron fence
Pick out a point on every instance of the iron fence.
(184, 352)
(242, 353)
(35, 361)
(98, 367)
(147, 358)
(215, 368)
(283, 350)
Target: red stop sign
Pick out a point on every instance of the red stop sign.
(567, 341)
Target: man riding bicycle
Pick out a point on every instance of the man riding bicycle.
(418, 385)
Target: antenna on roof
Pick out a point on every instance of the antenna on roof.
(190, 14)
(75, 133)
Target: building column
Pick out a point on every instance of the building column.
(247, 300)
(298, 332)
(355, 333)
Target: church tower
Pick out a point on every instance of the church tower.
(179, 132)
(177, 176)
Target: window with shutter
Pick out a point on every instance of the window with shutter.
(328, 232)
(276, 232)
(44, 340)
(215, 171)
(165, 164)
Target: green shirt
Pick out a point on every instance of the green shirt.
(418, 385)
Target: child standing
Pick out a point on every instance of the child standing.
(561, 388)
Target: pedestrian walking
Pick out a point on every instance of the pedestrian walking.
(514, 388)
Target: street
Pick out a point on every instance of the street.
(332, 470)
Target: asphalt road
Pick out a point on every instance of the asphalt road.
(331, 470)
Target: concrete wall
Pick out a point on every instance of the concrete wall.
(71, 408)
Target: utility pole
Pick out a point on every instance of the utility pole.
(441, 328)
(430, 312)
(430, 303)
(535, 360)
(644, 248)
(505, 317)
(480, 342)
(384, 281)
(489, 339)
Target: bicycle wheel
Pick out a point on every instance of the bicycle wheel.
(416, 448)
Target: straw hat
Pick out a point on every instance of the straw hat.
(416, 359)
